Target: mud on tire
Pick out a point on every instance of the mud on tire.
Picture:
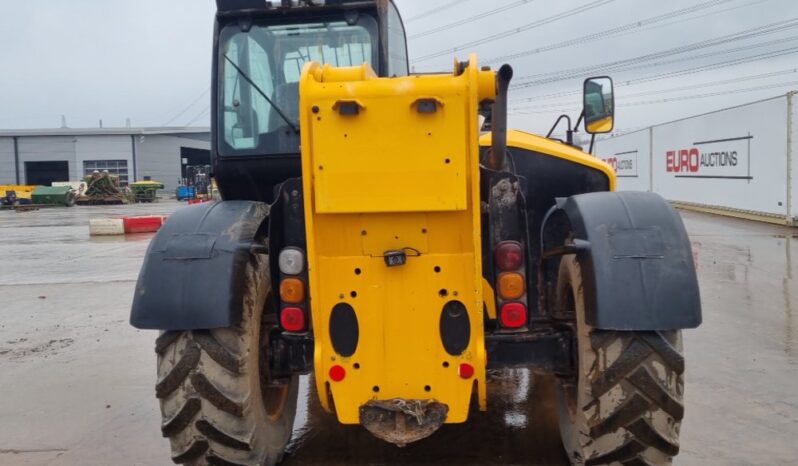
(217, 406)
(625, 404)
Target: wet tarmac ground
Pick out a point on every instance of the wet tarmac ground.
(76, 381)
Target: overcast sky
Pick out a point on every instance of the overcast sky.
(149, 60)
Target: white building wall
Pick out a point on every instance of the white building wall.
(7, 168)
(103, 148)
(158, 156)
(47, 149)
(630, 156)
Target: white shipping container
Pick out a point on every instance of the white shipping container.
(630, 156)
(737, 160)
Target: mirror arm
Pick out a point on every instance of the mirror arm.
(557, 122)
(592, 140)
(581, 117)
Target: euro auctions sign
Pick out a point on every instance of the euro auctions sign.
(624, 163)
(728, 158)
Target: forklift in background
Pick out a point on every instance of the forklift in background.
(196, 185)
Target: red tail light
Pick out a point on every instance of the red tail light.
(509, 255)
(513, 315)
(466, 371)
(292, 319)
(337, 373)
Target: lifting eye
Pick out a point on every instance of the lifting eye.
(348, 107)
(427, 104)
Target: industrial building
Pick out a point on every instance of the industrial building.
(41, 156)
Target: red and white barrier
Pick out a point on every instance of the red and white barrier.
(143, 224)
(125, 225)
(106, 226)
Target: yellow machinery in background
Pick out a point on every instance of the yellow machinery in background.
(20, 191)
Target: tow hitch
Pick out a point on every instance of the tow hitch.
(401, 421)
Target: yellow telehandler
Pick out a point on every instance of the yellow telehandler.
(370, 234)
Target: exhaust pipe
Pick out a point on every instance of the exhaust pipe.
(498, 151)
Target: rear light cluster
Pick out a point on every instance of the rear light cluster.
(511, 284)
(293, 291)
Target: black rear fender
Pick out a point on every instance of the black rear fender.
(193, 275)
(636, 260)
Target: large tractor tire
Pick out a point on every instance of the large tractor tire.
(624, 405)
(218, 403)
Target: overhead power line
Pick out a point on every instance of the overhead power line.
(771, 28)
(674, 89)
(610, 32)
(711, 94)
(435, 10)
(693, 18)
(199, 116)
(641, 61)
(471, 19)
(187, 107)
(790, 51)
(721, 82)
(517, 30)
(672, 99)
(648, 79)
(727, 63)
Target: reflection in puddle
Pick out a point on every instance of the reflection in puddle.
(515, 419)
(520, 427)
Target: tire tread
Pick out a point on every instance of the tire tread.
(208, 391)
(178, 374)
(180, 421)
(645, 395)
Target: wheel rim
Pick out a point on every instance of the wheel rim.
(274, 398)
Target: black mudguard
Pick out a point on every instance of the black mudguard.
(637, 266)
(193, 273)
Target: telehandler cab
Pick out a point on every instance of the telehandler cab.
(370, 235)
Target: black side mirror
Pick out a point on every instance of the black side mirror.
(599, 105)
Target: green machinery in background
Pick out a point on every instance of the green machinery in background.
(53, 195)
(102, 188)
(145, 191)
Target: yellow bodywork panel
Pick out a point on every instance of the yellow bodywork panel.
(533, 142)
(383, 172)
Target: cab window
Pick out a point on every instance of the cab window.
(259, 78)
(397, 43)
